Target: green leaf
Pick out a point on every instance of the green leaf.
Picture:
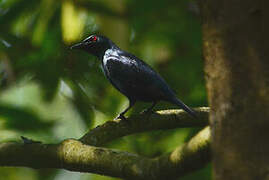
(23, 119)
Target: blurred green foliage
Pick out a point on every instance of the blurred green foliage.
(50, 93)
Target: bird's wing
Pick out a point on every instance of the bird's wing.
(133, 77)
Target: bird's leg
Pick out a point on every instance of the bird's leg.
(149, 110)
(121, 115)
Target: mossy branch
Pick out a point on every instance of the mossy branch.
(160, 120)
(74, 155)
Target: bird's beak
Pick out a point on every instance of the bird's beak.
(77, 46)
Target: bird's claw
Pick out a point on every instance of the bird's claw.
(120, 116)
(29, 141)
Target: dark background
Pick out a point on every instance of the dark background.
(50, 93)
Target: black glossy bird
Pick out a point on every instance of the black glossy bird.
(130, 75)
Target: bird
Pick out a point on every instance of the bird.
(130, 75)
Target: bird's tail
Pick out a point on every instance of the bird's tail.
(184, 107)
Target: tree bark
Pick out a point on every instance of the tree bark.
(83, 156)
(235, 48)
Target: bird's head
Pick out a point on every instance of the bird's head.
(95, 45)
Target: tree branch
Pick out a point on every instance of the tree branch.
(165, 119)
(75, 156)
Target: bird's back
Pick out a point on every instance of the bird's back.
(134, 78)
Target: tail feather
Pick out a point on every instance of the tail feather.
(185, 107)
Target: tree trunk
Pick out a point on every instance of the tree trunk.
(236, 51)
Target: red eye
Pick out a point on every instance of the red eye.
(94, 39)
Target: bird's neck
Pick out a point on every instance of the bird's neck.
(106, 50)
(111, 52)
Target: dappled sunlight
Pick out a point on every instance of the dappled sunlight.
(72, 21)
(28, 96)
